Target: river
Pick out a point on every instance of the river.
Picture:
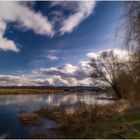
(11, 105)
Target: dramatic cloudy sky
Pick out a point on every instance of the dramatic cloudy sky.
(51, 43)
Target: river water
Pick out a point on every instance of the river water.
(11, 105)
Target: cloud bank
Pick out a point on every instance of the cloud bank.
(13, 80)
(65, 75)
(68, 75)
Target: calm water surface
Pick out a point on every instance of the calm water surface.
(10, 105)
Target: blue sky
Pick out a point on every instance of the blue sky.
(38, 37)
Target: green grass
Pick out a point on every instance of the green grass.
(126, 126)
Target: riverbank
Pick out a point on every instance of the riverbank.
(52, 90)
(121, 126)
(115, 120)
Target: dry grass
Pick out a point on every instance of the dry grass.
(28, 118)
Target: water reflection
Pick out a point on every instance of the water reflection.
(53, 99)
(10, 105)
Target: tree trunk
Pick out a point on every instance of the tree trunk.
(117, 92)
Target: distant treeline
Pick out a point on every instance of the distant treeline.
(82, 88)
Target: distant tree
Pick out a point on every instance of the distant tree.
(132, 42)
(132, 37)
(107, 68)
(132, 25)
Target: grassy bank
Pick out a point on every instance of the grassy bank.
(126, 125)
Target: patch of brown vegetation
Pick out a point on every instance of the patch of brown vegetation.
(30, 118)
(53, 114)
(110, 110)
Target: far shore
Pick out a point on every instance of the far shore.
(50, 90)
(32, 91)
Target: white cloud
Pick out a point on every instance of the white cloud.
(69, 69)
(56, 80)
(82, 11)
(122, 54)
(27, 19)
(12, 80)
(52, 57)
(66, 75)
(92, 55)
(6, 44)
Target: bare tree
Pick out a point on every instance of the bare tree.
(132, 41)
(132, 25)
(107, 68)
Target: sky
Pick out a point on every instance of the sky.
(51, 42)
